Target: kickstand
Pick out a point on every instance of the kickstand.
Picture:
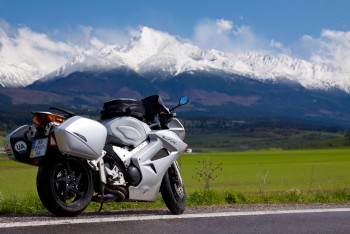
(100, 207)
(102, 188)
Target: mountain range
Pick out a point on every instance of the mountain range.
(218, 83)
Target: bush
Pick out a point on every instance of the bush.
(206, 197)
(231, 197)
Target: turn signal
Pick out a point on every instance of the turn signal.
(184, 151)
(43, 118)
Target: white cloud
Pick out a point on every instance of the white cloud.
(225, 25)
(44, 52)
(278, 46)
(331, 48)
(224, 35)
(115, 36)
(22, 45)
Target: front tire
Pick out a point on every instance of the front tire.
(173, 191)
(65, 186)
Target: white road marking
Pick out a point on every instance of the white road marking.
(164, 217)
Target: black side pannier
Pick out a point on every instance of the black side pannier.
(123, 107)
(20, 144)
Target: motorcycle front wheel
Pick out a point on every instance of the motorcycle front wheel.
(173, 190)
(65, 185)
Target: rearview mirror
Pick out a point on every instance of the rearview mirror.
(183, 100)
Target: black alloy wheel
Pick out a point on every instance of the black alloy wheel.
(65, 185)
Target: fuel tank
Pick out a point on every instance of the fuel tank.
(126, 131)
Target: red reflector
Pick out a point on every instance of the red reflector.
(52, 141)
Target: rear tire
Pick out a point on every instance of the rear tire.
(173, 191)
(65, 186)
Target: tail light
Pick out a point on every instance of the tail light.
(43, 118)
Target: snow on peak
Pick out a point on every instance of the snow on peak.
(148, 51)
(19, 75)
(159, 55)
(150, 42)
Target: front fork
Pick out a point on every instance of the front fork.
(177, 171)
(178, 186)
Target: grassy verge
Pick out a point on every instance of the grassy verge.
(30, 203)
(268, 176)
(212, 197)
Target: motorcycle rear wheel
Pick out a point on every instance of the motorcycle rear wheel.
(173, 191)
(65, 186)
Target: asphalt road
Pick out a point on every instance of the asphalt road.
(240, 219)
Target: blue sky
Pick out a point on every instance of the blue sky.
(314, 30)
(282, 20)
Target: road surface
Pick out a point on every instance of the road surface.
(228, 219)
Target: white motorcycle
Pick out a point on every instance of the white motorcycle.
(129, 156)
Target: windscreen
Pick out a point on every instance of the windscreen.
(153, 105)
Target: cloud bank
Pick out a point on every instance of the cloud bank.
(224, 35)
(23, 46)
(44, 53)
(48, 51)
(331, 48)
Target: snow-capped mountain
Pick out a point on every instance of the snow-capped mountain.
(158, 55)
(218, 83)
(18, 75)
(17, 68)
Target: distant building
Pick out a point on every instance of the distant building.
(244, 147)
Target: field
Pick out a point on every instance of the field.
(266, 139)
(250, 172)
(273, 171)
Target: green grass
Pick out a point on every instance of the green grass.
(30, 204)
(1, 141)
(16, 178)
(26, 203)
(266, 176)
(211, 197)
(306, 170)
